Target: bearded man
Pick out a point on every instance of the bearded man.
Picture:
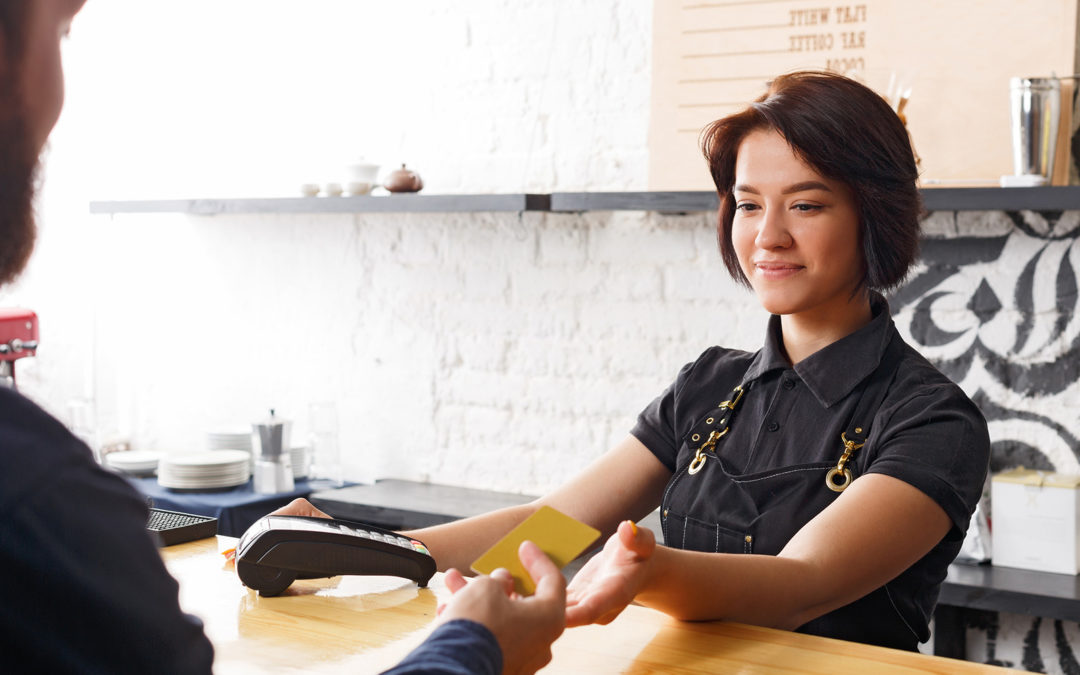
(20, 143)
(84, 589)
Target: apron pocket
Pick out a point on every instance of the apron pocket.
(695, 535)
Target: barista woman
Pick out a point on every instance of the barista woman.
(825, 482)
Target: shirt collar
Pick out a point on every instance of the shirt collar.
(833, 372)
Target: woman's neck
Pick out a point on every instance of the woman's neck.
(807, 332)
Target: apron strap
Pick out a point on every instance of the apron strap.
(712, 428)
(874, 390)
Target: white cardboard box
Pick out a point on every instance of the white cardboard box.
(1035, 515)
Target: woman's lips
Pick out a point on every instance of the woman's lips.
(775, 271)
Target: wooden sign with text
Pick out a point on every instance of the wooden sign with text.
(954, 56)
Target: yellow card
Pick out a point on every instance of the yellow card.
(558, 535)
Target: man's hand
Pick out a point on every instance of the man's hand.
(299, 507)
(525, 627)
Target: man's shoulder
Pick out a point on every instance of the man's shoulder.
(19, 416)
(33, 445)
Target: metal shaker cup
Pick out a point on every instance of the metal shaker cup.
(1035, 106)
(273, 462)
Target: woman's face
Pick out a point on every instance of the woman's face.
(796, 233)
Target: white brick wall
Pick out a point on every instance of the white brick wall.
(418, 326)
(491, 351)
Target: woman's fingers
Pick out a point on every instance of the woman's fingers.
(589, 611)
(638, 540)
(299, 507)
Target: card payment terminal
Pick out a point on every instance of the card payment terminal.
(276, 550)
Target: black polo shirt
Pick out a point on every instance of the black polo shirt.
(926, 432)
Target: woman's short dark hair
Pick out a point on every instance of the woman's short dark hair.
(848, 133)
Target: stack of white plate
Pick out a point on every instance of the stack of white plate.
(205, 470)
(301, 461)
(134, 462)
(233, 439)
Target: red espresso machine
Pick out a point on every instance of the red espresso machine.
(18, 339)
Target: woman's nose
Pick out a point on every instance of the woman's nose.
(772, 231)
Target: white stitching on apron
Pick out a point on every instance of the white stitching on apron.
(896, 609)
(667, 491)
(774, 475)
(671, 483)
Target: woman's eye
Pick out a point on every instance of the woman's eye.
(807, 207)
(745, 206)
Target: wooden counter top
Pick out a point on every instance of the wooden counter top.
(366, 624)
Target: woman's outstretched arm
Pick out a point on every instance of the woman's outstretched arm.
(875, 530)
(624, 483)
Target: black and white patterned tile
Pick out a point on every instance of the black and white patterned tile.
(994, 304)
(997, 312)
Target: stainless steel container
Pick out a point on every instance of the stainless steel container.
(1035, 112)
(273, 465)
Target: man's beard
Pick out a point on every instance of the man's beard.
(18, 177)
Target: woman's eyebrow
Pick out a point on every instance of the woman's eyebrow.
(791, 189)
(804, 186)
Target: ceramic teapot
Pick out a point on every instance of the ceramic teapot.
(403, 180)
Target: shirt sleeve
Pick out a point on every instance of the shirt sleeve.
(659, 426)
(458, 647)
(937, 441)
(650, 429)
(85, 587)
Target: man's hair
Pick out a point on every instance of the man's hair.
(18, 156)
(848, 133)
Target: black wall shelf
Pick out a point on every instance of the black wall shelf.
(394, 203)
(673, 202)
(935, 199)
(1065, 198)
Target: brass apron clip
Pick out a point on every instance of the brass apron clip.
(714, 435)
(845, 473)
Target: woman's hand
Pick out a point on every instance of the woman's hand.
(610, 581)
(525, 627)
(299, 507)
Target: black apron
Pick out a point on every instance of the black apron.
(760, 512)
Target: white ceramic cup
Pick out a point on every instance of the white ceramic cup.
(363, 172)
(358, 188)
